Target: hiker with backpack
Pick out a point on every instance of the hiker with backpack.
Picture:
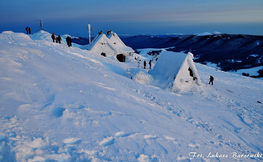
(211, 80)
(68, 39)
(53, 37)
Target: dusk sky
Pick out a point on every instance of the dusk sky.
(133, 16)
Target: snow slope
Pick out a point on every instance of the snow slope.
(68, 104)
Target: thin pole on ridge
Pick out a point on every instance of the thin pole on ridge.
(89, 30)
(41, 26)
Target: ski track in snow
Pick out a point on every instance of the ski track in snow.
(94, 134)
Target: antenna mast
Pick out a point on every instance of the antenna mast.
(41, 27)
(89, 29)
(41, 24)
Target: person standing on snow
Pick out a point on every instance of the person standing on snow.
(144, 64)
(68, 39)
(59, 39)
(211, 79)
(53, 37)
(150, 63)
(139, 63)
(27, 30)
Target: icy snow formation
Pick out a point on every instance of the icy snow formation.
(101, 44)
(172, 71)
(67, 104)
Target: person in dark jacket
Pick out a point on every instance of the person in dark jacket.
(59, 39)
(68, 39)
(211, 79)
(27, 30)
(53, 37)
(150, 63)
(144, 64)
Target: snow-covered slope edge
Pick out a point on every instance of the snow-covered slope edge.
(67, 104)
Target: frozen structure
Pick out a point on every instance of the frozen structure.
(118, 43)
(175, 71)
(111, 46)
(103, 46)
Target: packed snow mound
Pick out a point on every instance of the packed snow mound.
(175, 71)
(66, 104)
(139, 75)
(41, 35)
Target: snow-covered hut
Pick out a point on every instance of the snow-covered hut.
(175, 71)
(103, 46)
(118, 43)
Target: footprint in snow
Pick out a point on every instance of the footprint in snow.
(11, 134)
(72, 141)
(58, 111)
(107, 141)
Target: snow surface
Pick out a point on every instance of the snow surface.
(251, 71)
(67, 104)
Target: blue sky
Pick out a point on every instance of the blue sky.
(134, 17)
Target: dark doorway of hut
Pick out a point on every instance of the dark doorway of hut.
(120, 57)
(103, 54)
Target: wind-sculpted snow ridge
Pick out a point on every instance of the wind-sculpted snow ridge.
(67, 104)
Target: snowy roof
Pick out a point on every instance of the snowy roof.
(111, 45)
(172, 70)
(102, 44)
(99, 39)
(115, 39)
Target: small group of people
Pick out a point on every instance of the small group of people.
(144, 63)
(58, 39)
(28, 30)
(150, 64)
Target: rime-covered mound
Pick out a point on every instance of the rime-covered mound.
(175, 71)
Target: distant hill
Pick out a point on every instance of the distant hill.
(80, 40)
(228, 51)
